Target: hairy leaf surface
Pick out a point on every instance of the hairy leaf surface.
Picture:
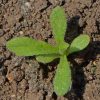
(24, 46)
(58, 23)
(62, 81)
(79, 43)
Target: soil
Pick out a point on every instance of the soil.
(23, 78)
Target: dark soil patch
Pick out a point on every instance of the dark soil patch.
(24, 78)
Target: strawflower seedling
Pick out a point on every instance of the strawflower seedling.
(45, 53)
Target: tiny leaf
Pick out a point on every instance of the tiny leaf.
(58, 23)
(46, 58)
(62, 81)
(24, 46)
(63, 46)
(79, 43)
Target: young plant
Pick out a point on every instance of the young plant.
(45, 53)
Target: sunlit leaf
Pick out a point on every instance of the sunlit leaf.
(79, 43)
(24, 46)
(62, 81)
(58, 23)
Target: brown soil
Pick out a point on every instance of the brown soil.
(23, 78)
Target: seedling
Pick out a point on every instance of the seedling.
(45, 53)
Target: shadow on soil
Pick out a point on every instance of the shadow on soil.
(88, 54)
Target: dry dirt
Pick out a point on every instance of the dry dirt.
(23, 78)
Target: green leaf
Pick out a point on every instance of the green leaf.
(58, 23)
(63, 46)
(46, 58)
(24, 46)
(79, 43)
(62, 81)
